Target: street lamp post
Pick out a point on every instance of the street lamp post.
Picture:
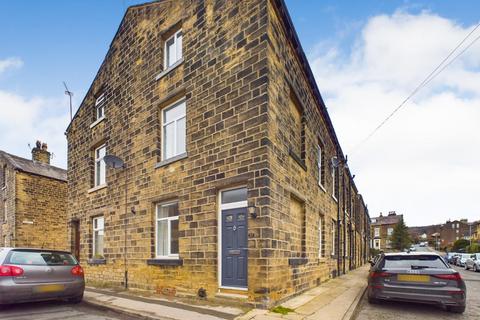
(115, 162)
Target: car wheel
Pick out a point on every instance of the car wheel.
(475, 268)
(466, 267)
(456, 309)
(372, 300)
(76, 299)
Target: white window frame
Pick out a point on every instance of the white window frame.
(376, 232)
(334, 233)
(320, 234)
(334, 183)
(174, 121)
(100, 105)
(96, 219)
(177, 47)
(375, 242)
(169, 231)
(320, 165)
(98, 181)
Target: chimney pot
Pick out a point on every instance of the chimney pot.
(40, 153)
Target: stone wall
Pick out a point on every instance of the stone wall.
(40, 212)
(7, 203)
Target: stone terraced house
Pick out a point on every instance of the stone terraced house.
(33, 197)
(233, 182)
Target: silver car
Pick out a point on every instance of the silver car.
(462, 259)
(422, 277)
(36, 274)
(473, 262)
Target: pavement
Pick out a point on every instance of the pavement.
(336, 299)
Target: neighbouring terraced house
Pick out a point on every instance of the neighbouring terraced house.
(33, 196)
(233, 180)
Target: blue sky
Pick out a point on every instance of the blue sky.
(366, 56)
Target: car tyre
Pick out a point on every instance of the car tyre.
(456, 309)
(475, 268)
(466, 267)
(372, 300)
(76, 299)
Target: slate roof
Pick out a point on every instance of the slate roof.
(34, 167)
(392, 219)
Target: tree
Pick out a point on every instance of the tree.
(400, 238)
(460, 245)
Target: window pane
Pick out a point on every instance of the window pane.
(179, 45)
(235, 195)
(171, 52)
(181, 136)
(174, 113)
(168, 210)
(99, 224)
(98, 250)
(174, 237)
(162, 238)
(169, 141)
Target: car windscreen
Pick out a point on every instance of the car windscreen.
(41, 258)
(413, 262)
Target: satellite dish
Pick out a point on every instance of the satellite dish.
(113, 162)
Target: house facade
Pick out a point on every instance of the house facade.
(33, 197)
(228, 176)
(382, 228)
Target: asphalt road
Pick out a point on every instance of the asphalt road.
(412, 311)
(54, 310)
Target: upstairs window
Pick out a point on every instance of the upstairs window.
(320, 166)
(100, 153)
(100, 107)
(335, 183)
(376, 232)
(295, 126)
(173, 49)
(174, 130)
(98, 231)
(167, 230)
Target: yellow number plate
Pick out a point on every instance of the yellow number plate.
(50, 288)
(413, 278)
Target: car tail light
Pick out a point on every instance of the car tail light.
(77, 271)
(450, 276)
(10, 271)
(376, 274)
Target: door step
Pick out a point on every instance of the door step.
(232, 294)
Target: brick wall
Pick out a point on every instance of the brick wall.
(7, 202)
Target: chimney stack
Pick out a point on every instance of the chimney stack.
(40, 153)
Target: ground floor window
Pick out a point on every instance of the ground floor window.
(98, 232)
(376, 243)
(167, 230)
(321, 238)
(333, 231)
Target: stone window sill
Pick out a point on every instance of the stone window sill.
(171, 160)
(169, 69)
(96, 261)
(297, 159)
(297, 261)
(102, 186)
(165, 262)
(97, 122)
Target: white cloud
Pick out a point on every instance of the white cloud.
(24, 120)
(424, 161)
(10, 63)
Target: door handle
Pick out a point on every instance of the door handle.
(234, 228)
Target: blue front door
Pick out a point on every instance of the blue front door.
(234, 248)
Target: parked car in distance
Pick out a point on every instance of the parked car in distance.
(455, 257)
(36, 274)
(449, 256)
(422, 277)
(422, 244)
(473, 262)
(413, 248)
(462, 258)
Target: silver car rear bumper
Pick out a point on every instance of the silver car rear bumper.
(11, 292)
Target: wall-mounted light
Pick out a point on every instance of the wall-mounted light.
(252, 211)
